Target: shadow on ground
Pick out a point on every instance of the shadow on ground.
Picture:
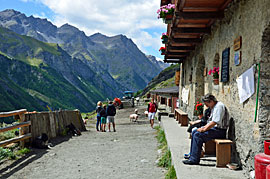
(8, 169)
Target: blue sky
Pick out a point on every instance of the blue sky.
(137, 19)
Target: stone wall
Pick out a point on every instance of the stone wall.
(249, 19)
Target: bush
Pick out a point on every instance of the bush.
(22, 151)
(6, 153)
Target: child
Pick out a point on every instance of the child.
(103, 116)
(98, 109)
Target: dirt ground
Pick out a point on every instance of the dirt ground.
(131, 152)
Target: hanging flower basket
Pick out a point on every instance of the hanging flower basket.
(166, 13)
(162, 50)
(164, 38)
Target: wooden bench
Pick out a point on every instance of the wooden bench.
(181, 117)
(221, 148)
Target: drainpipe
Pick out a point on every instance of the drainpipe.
(257, 95)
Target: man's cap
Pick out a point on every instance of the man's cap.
(209, 97)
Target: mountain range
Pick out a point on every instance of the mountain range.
(67, 68)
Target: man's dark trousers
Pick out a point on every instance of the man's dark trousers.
(198, 138)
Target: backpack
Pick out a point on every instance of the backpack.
(152, 107)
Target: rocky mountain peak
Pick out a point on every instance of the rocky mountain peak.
(10, 12)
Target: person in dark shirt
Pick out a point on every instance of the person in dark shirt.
(111, 111)
(201, 122)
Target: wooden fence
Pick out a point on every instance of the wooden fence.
(23, 135)
(54, 123)
(34, 124)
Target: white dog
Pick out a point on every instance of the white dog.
(134, 117)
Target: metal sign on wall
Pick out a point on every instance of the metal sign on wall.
(225, 65)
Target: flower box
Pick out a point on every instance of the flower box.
(164, 38)
(216, 81)
(215, 73)
(162, 50)
(166, 13)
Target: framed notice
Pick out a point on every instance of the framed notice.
(225, 65)
(237, 57)
(237, 43)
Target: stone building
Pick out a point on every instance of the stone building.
(233, 35)
(167, 97)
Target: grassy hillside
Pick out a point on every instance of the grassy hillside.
(164, 79)
(48, 74)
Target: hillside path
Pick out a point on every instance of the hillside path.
(131, 152)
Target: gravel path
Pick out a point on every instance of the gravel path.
(131, 152)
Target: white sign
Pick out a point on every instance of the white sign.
(185, 95)
(245, 84)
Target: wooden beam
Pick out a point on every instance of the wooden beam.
(181, 44)
(16, 139)
(182, 25)
(177, 53)
(192, 30)
(200, 9)
(175, 56)
(22, 124)
(178, 35)
(173, 61)
(185, 40)
(177, 50)
(181, 48)
(199, 15)
(13, 113)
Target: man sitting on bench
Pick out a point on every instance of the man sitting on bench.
(215, 129)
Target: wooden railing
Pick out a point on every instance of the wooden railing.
(23, 133)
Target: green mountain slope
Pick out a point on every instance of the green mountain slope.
(25, 86)
(51, 76)
(164, 79)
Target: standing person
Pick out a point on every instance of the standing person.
(103, 116)
(111, 111)
(215, 129)
(152, 109)
(98, 109)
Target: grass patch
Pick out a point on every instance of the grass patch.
(171, 174)
(12, 153)
(165, 159)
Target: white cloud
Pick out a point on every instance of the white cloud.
(137, 19)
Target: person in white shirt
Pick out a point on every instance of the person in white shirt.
(216, 128)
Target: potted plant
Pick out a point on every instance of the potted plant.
(215, 73)
(162, 50)
(199, 109)
(166, 13)
(164, 38)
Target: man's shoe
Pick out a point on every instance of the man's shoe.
(188, 162)
(187, 156)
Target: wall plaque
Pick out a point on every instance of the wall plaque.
(237, 57)
(225, 65)
(205, 71)
(237, 43)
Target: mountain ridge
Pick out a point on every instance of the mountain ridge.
(91, 64)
